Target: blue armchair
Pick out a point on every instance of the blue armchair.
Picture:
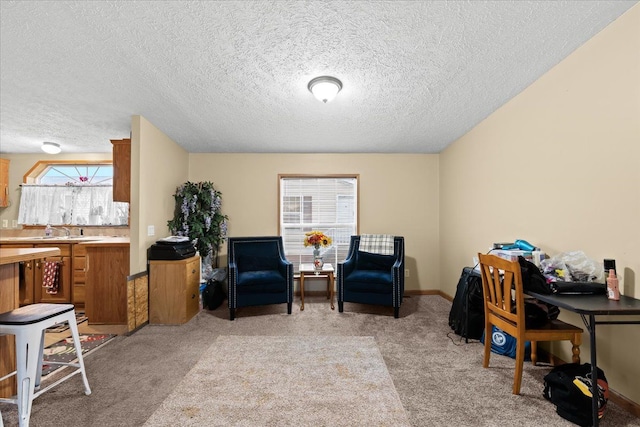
(372, 278)
(259, 273)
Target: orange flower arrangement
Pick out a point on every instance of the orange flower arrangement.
(316, 239)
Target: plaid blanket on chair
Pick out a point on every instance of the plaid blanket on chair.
(376, 244)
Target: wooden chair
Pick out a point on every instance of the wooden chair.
(503, 290)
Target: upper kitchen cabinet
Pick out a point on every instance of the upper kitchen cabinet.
(4, 183)
(121, 170)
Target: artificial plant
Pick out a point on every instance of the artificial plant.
(198, 215)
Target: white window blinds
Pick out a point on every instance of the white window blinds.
(327, 204)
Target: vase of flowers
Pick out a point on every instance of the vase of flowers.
(317, 239)
(198, 215)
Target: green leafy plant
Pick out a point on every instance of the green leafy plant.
(198, 215)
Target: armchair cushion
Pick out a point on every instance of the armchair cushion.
(261, 281)
(371, 261)
(257, 263)
(371, 281)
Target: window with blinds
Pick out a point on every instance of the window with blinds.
(324, 203)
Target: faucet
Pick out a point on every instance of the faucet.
(67, 232)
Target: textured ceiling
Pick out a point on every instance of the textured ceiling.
(231, 76)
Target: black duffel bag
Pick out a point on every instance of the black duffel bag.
(568, 386)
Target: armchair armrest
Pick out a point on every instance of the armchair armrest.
(283, 266)
(397, 264)
(397, 272)
(347, 266)
(231, 267)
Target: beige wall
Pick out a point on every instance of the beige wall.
(564, 159)
(19, 165)
(398, 195)
(158, 166)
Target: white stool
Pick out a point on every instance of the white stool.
(28, 324)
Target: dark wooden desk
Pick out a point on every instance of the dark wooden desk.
(588, 307)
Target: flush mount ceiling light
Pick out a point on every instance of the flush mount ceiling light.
(325, 88)
(51, 147)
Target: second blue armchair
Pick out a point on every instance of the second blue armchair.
(372, 278)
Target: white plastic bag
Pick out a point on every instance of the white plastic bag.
(572, 266)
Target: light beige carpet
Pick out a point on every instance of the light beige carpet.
(285, 381)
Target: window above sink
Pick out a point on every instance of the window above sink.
(71, 193)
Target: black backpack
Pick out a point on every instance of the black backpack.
(213, 294)
(568, 386)
(532, 278)
(466, 317)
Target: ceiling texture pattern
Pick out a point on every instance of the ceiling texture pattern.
(231, 76)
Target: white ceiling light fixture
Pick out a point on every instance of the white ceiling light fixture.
(51, 147)
(325, 88)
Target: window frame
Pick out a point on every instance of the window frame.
(32, 175)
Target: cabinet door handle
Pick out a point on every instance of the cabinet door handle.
(193, 271)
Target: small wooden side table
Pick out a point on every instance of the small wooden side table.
(326, 271)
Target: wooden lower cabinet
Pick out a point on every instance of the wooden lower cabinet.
(79, 276)
(112, 297)
(26, 276)
(63, 294)
(31, 290)
(174, 294)
(107, 268)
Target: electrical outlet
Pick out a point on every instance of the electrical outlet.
(151, 230)
(5, 223)
(406, 272)
(14, 223)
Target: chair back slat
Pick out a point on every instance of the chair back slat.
(502, 285)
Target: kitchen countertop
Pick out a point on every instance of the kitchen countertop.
(10, 256)
(63, 239)
(111, 241)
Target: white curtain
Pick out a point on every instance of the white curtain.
(71, 205)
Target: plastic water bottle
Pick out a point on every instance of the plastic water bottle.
(613, 289)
